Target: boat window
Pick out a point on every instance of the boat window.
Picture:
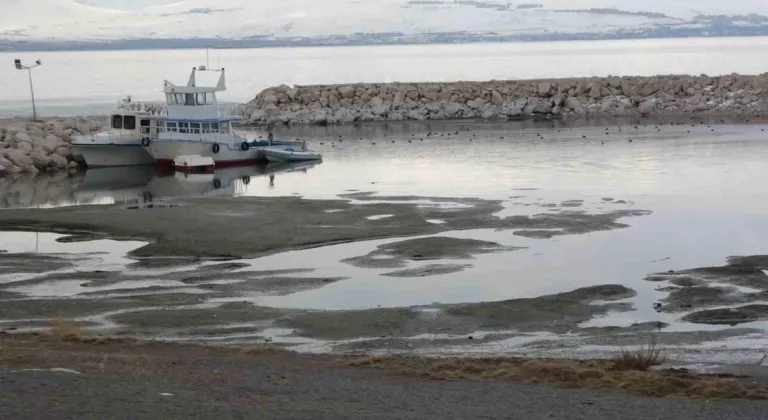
(194, 128)
(189, 99)
(210, 98)
(144, 126)
(171, 126)
(215, 127)
(206, 127)
(129, 122)
(224, 128)
(176, 98)
(200, 97)
(170, 98)
(117, 122)
(183, 127)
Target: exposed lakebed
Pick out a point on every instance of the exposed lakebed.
(556, 247)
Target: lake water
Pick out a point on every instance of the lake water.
(71, 83)
(705, 189)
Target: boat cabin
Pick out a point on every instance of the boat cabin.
(144, 125)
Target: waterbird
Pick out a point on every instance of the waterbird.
(656, 306)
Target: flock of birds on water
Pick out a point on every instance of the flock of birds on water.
(619, 129)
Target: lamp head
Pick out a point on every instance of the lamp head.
(39, 62)
(17, 62)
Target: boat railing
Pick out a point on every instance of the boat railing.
(143, 108)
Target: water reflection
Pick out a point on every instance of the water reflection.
(715, 166)
(136, 184)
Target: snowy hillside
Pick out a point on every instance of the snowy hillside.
(237, 19)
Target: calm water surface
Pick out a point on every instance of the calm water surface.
(706, 191)
(91, 82)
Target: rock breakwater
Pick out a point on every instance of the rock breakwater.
(504, 100)
(42, 146)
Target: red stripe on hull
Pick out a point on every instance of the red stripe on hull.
(168, 163)
(208, 169)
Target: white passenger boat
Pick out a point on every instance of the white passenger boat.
(195, 124)
(120, 144)
(190, 122)
(290, 154)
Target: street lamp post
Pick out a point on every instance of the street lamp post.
(20, 66)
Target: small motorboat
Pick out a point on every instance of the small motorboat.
(289, 154)
(194, 164)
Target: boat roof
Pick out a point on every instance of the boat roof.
(191, 86)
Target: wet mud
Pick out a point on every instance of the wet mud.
(555, 313)
(397, 254)
(429, 270)
(248, 227)
(702, 292)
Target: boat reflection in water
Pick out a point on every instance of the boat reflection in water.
(144, 184)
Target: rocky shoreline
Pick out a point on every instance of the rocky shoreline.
(42, 146)
(738, 95)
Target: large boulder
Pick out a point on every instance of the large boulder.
(83, 128)
(58, 162)
(40, 159)
(23, 136)
(380, 110)
(50, 143)
(452, 109)
(573, 104)
(271, 110)
(544, 88)
(20, 159)
(347, 92)
(647, 107)
(496, 98)
(258, 116)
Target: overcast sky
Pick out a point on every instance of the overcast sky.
(129, 4)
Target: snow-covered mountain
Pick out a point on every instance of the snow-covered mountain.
(73, 20)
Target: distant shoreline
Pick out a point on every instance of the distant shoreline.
(8, 46)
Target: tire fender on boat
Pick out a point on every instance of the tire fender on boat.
(244, 146)
(215, 147)
(145, 141)
(216, 183)
(246, 180)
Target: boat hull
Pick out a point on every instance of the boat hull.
(287, 155)
(164, 152)
(106, 155)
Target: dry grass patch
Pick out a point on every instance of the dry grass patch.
(65, 330)
(591, 374)
(644, 358)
